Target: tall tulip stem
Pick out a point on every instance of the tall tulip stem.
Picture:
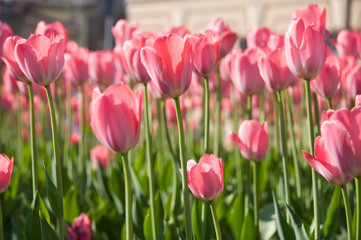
(329, 103)
(206, 114)
(311, 141)
(187, 209)
(358, 207)
(150, 162)
(215, 221)
(32, 140)
(217, 137)
(255, 196)
(81, 161)
(346, 202)
(128, 197)
(59, 181)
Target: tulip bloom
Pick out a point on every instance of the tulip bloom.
(348, 43)
(101, 67)
(5, 32)
(81, 228)
(122, 31)
(6, 168)
(115, 117)
(258, 37)
(353, 82)
(41, 58)
(100, 154)
(76, 66)
(169, 63)
(205, 179)
(180, 30)
(55, 28)
(252, 139)
(305, 50)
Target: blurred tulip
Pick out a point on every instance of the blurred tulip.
(348, 43)
(169, 63)
(41, 58)
(76, 66)
(81, 228)
(101, 67)
(180, 30)
(7, 101)
(115, 117)
(252, 139)
(300, 41)
(6, 168)
(74, 138)
(5, 32)
(55, 28)
(258, 37)
(358, 101)
(275, 41)
(100, 154)
(9, 81)
(122, 31)
(205, 179)
(353, 82)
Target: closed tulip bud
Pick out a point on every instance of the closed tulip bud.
(205, 179)
(252, 139)
(81, 228)
(6, 168)
(115, 117)
(76, 66)
(168, 61)
(41, 58)
(300, 41)
(102, 67)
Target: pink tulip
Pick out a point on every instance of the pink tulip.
(352, 84)
(206, 52)
(226, 36)
(313, 15)
(275, 41)
(258, 37)
(5, 32)
(122, 31)
(81, 228)
(300, 42)
(55, 28)
(168, 61)
(348, 43)
(274, 70)
(76, 66)
(245, 73)
(101, 67)
(7, 101)
(358, 101)
(100, 154)
(9, 81)
(115, 117)
(41, 58)
(205, 179)
(180, 30)
(328, 81)
(252, 139)
(226, 64)
(6, 168)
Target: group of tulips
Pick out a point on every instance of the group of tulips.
(203, 73)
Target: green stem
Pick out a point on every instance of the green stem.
(215, 221)
(255, 196)
(68, 132)
(348, 212)
(204, 219)
(314, 176)
(81, 161)
(128, 197)
(249, 106)
(262, 100)
(293, 144)
(187, 209)
(247, 164)
(59, 182)
(218, 113)
(358, 208)
(283, 134)
(1, 221)
(150, 162)
(329, 103)
(175, 192)
(169, 141)
(32, 139)
(317, 114)
(206, 114)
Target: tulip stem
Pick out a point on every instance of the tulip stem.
(249, 106)
(329, 103)
(293, 144)
(314, 176)
(150, 162)
(128, 197)
(317, 114)
(187, 209)
(206, 114)
(348, 212)
(204, 219)
(358, 208)
(218, 112)
(255, 196)
(215, 221)
(169, 140)
(81, 143)
(59, 182)
(68, 132)
(32, 139)
(282, 128)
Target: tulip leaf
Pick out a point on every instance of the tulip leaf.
(53, 197)
(248, 228)
(159, 219)
(197, 220)
(71, 208)
(44, 211)
(297, 225)
(116, 188)
(236, 216)
(283, 229)
(138, 218)
(267, 224)
(32, 223)
(46, 231)
(333, 211)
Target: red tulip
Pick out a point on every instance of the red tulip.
(101, 67)
(305, 50)
(81, 228)
(5, 32)
(115, 117)
(205, 179)
(122, 31)
(348, 43)
(76, 66)
(252, 139)
(6, 168)
(100, 154)
(41, 58)
(168, 61)
(55, 28)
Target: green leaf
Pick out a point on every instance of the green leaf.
(159, 219)
(197, 220)
(248, 228)
(297, 225)
(138, 218)
(46, 231)
(267, 223)
(32, 223)
(283, 229)
(332, 212)
(53, 197)
(236, 216)
(71, 208)
(43, 209)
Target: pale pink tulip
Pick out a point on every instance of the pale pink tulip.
(76, 66)
(5, 32)
(55, 28)
(352, 84)
(122, 31)
(6, 168)
(179, 30)
(101, 67)
(258, 37)
(100, 154)
(348, 43)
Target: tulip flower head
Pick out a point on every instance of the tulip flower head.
(348, 43)
(122, 31)
(6, 168)
(205, 179)
(81, 228)
(100, 154)
(54, 28)
(5, 32)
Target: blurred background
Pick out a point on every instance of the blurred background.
(89, 22)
